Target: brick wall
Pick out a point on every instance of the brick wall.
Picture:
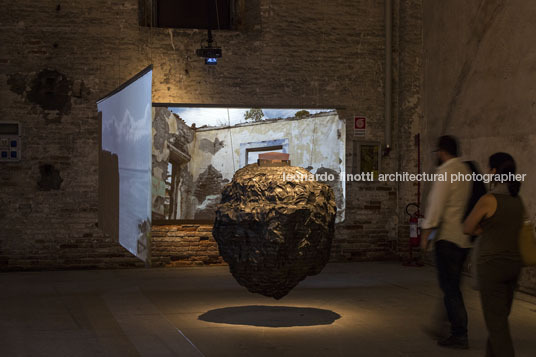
(324, 54)
(408, 70)
(184, 244)
(364, 236)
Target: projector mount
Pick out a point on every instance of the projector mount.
(209, 52)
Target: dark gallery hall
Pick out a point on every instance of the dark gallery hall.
(267, 178)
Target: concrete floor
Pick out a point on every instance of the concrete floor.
(354, 309)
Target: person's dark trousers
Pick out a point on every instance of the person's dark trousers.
(450, 259)
(497, 281)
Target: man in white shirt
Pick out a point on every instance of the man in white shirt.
(444, 213)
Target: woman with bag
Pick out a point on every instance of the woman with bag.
(498, 218)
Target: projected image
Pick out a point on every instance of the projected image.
(196, 151)
(126, 145)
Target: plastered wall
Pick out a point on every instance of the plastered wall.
(479, 84)
(316, 143)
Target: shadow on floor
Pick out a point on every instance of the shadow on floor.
(270, 316)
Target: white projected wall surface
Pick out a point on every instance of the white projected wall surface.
(127, 132)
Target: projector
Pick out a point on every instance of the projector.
(208, 52)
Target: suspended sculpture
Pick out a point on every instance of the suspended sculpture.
(274, 231)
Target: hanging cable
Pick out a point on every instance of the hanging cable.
(217, 14)
(151, 23)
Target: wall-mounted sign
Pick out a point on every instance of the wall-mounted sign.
(360, 125)
(10, 141)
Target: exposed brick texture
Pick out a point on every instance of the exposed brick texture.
(296, 54)
(184, 244)
(364, 236)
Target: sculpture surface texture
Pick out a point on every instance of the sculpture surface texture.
(274, 232)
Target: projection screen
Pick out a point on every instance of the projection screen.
(125, 164)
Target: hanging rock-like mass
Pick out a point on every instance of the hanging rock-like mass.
(274, 232)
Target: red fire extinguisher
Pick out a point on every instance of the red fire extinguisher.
(415, 220)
